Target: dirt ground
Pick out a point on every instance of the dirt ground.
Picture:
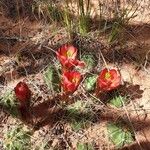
(26, 49)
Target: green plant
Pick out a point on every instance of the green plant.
(48, 10)
(121, 19)
(52, 78)
(40, 8)
(75, 111)
(17, 139)
(90, 62)
(68, 19)
(43, 145)
(56, 14)
(118, 101)
(79, 124)
(85, 146)
(78, 106)
(9, 101)
(116, 29)
(90, 82)
(119, 135)
(84, 16)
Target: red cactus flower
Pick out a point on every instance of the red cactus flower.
(23, 93)
(70, 81)
(67, 56)
(109, 79)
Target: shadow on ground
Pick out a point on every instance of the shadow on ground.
(145, 145)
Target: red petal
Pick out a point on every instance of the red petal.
(103, 73)
(116, 82)
(80, 63)
(62, 51)
(22, 92)
(111, 83)
(113, 73)
(73, 51)
(67, 81)
(68, 62)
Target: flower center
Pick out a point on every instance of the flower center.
(69, 53)
(107, 75)
(75, 80)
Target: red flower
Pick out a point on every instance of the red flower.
(67, 56)
(109, 79)
(23, 93)
(70, 81)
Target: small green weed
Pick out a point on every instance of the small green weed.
(52, 79)
(90, 62)
(85, 146)
(90, 82)
(118, 101)
(84, 10)
(79, 115)
(119, 135)
(9, 101)
(17, 139)
(68, 20)
(47, 10)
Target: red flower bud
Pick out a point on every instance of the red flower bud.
(70, 81)
(109, 79)
(67, 56)
(23, 93)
